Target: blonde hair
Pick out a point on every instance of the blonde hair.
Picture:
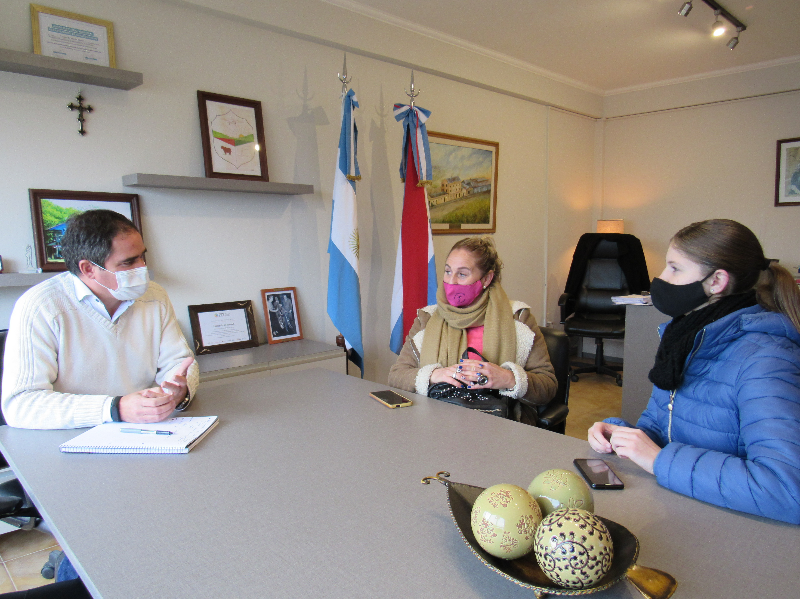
(730, 246)
(485, 253)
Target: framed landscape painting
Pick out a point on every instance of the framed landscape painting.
(50, 209)
(462, 197)
(232, 130)
(787, 173)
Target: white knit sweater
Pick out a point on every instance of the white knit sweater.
(63, 359)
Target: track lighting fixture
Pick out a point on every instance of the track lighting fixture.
(719, 26)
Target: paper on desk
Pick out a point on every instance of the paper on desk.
(633, 299)
(109, 438)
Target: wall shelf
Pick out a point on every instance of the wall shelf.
(24, 279)
(209, 184)
(27, 63)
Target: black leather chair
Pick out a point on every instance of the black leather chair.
(604, 265)
(553, 415)
(16, 508)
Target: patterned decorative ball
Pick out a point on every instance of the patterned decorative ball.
(573, 548)
(504, 520)
(557, 488)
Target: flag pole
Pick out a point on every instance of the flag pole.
(413, 95)
(345, 79)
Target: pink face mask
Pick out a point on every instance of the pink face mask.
(462, 295)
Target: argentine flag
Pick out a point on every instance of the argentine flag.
(344, 289)
(415, 279)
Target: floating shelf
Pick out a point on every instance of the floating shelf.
(28, 63)
(209, 184)
(24, 279)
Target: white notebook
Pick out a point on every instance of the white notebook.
(110, 438)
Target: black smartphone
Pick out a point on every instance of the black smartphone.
(391, 399)
(598, 474)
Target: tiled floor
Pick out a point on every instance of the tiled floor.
(23, 553)
(592, 398)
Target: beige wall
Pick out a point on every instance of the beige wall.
(666, 170)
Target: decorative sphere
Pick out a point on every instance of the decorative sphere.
(557, 488)
(573, 548)
(504, 520)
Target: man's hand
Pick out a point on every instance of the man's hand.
(177, 387)
(148, 405)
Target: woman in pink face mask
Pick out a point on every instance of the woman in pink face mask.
(473, 311)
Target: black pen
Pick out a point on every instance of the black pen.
(145, 431)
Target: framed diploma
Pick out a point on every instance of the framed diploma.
(68, 35)
(223, 327)
(232, 130)
(280, 312)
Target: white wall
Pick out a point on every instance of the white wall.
(214, 247)
(666, 170)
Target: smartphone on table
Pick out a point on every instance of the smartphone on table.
(391, 399)
(598, 474)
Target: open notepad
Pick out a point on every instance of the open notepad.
(109, 438)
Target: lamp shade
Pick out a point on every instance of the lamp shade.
(611, 226)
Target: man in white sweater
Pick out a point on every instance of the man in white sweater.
(99, 343)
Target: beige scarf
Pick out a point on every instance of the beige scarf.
(446, 332)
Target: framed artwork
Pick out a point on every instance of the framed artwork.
(71, 36)
(232, 130)
(223, 327)
(51, 208)
(462, 197)
(787, 173)
(281, 314)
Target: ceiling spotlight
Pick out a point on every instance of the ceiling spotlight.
(718, 28)
(734, 41)
(685, 9)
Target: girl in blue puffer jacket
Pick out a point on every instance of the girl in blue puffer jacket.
(723, 422)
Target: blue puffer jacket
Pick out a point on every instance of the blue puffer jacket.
(736, 417)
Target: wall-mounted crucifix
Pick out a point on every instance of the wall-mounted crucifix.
(81, 109)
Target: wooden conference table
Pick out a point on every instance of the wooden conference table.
(310, 488)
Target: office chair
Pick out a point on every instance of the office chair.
(16, 508)
(553, 415)
(604, 265)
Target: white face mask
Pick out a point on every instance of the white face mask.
(130, 283)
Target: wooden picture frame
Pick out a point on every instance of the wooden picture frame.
(281, 314)
(71, 36)
(462, 197)
(223, 327)
(232, 130)
(787, 172)
(50, 209)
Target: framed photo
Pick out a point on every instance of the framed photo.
(71, 36)
(787, 173)
(281, 314)
(233, 137)
(223, 327)
(462, 197)
(51, 208)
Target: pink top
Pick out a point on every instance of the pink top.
(475, 340)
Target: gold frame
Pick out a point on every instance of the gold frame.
(37, 9)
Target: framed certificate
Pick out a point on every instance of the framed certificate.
(223, 327)
(71, 36)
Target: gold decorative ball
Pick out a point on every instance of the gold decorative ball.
(504, 520)
(573, 548)
(557, 488)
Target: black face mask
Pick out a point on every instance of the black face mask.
(674, 300)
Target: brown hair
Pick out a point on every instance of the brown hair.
(732, 247)
(485, 253)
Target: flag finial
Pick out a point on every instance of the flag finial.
(343, 75)
(412, 94)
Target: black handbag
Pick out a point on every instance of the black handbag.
(484, 400)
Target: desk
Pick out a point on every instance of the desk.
(310, 488)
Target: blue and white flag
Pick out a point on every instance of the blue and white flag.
(344, 289)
